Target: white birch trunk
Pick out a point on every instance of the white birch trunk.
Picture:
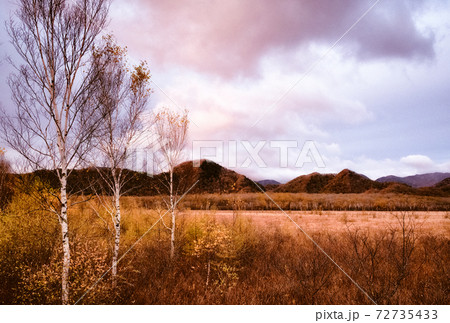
(117, 220)
(172, 231)
(208, 272)
(65, 239)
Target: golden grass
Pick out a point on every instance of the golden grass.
(304, 201)
(230, 257)
(435, 223)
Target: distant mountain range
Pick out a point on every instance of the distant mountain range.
(213, 178)
(348, 181)
(423, 180)
(266, 182)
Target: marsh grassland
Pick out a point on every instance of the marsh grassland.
(228, 256)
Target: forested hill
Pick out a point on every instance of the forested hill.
(212, 178)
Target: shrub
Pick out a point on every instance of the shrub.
(28, 238)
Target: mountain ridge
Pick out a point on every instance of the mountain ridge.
(416, 181)
(212, 178)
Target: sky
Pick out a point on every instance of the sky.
(296, 86)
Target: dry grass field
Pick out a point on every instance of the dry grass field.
(334, 222)
(228, 257)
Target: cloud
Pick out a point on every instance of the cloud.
(419, 162)
(392, 32)
(223, 110)
(198, 50)
(326, 107)
(229, 38)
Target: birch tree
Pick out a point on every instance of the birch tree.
(123, 96)
(171, 133)
(54, 120)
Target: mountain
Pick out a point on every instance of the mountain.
(422, 180)
(398, 188)
(89, 181)
(348, 181)
(212, 178)
(265, 182)
(269, 184)
(209, 177)
(312, 183)
(444, 185)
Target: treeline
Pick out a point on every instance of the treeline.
(208, 177)
(149, 190)
(215, 179)
(304, 202)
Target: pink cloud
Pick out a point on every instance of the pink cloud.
(228, 38)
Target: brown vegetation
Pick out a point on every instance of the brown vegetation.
(304, 201)
(212, 178)
(232, 257)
